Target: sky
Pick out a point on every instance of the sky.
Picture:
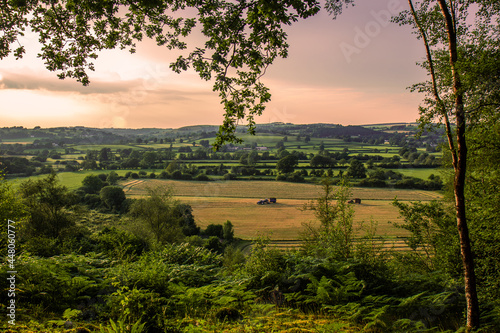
(354, 70)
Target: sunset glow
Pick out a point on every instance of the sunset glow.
(354, 70)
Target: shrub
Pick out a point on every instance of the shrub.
(228, 314)
(186, 176)
(202, 177)
(230, 176)
(164, 175)
(214, 230)
(177, 174)
(112, 196)
(214, 245)
(119, 244)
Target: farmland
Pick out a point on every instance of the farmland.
(225, 185)
(216, 202)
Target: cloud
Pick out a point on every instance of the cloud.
(31, 80)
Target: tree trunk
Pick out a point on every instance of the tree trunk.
(460, 166)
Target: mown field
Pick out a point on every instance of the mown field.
(216, 202)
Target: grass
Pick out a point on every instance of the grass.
(422, 173)
(272, 319)
(73, 180)
(99, 147)
(216, 202)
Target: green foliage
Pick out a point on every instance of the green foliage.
(131, 306)
(121, 327)
(214, 244)
(112, 196)
(184, 213)
(112, 178)
(156, 213)
(233, 259)
(11, 208)
(215, 230)
(58, 283)
(484, 204)
(228, 231)
(179, 264)
(287, 164)
(265, 265)
(119, 244)
(356, 169)
(334, 237)
(433, 239)
(48, 204)
(92, 184)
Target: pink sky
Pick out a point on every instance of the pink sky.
(354, 70)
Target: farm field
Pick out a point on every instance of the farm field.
(73, 180)
(216, 202)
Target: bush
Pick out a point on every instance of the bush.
(265, 265)
(112, 196)
(214, 230)
(281, 178)
(214, 245)
(177, 174)
(202, 177)
(119, 244)
(372, 182)
(164, 175)
(230, 176)
(186, 176)
(93, 201)
(92, 184)
(295, 178)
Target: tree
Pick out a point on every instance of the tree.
(462, 87)
(483, 204)
(186, 219)
(112, 196)
(356, 169)
(92, 183)
(214, 230)
(156, 214)
(148, 159)
(228, 231)
(287, 164)
(104, 154)
(334, 237)
(112, 178)
(321, 161)
(432, 239)
(242, 38)
(11, 208)
(48, 203)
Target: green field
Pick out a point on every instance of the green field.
(216, 202)
(73, 180)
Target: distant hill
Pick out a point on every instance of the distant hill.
(86, 135)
